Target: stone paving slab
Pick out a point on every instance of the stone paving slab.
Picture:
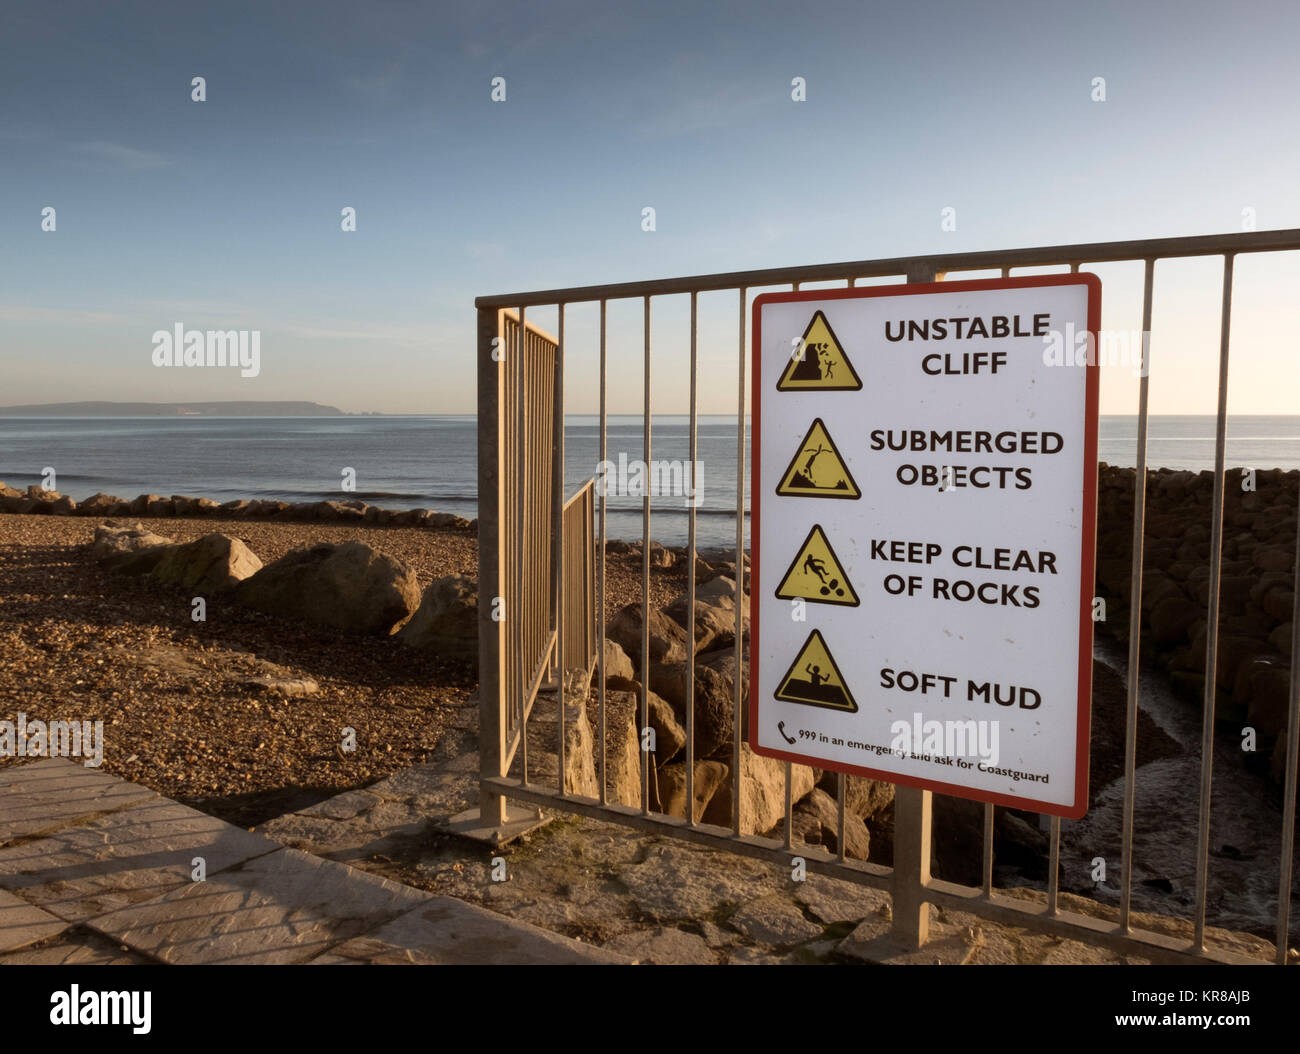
(75, 949)
(449, 932)
(22, 923)
(128, 856)
(43, 796)
(359, 824)
(282, 908)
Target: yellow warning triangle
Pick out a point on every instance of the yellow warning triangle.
(820, 363)
(814, 680)
(817, 470)
(816, 574)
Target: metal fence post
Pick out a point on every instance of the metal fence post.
(912, 808)
(491, 633)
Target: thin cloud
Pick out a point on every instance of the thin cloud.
(123, 158)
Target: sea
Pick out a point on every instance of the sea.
(407, 462)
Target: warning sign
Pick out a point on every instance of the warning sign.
(819, 362)
(935, 628)
(814, 680)
(816, 574)
(817, 470)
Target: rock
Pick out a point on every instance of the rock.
(128, 550)
(290, 687)
(762, 790)
(833, 900)
(1273, 559)
(63, 506)
(184, 506)
(1171, 619)
(774, 920)
(670, 736)
(206, 507)
(715, 624)
(349, 587)
(865, 798)
(101, 504)
(622, 748)
(236, 509)
(1279, 602)
(816, 821)
(579, 753)
(720, 586)
(264, 509)
(212, 564)
(667, 639)
(1270, 689)
(445, 520)
(446, 621)
(709, 776)
(336, 510)
(678, 881)
(1280, 638)
(714, 704)
(616, 663)
(663, 946)
(150, 505)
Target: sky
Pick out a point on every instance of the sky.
(226, 213)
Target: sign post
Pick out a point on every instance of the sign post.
(924, 522)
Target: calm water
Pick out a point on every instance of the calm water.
(412, 462)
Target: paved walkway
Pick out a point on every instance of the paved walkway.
(94, 869)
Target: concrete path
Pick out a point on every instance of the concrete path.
(94, 869)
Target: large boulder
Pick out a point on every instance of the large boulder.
(128, 550)
(446, 621)
(816, 821)
(616, 663)
(102, 504)
(622, 748)
(212, 564)
(667, 638)
(762, 793)
(715, 620)
(863, 797)
(348, 587)
(715, 705)
(709, 776)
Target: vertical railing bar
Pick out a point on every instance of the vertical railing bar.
(841, 792)
(740, 575)
(789, 805)
(1054, 825)
(645, 582)
(990, 819)
(524, 473)
(600, 557)
(1289, 782)
(691, 505)
(1054, 866)
(558, 555)
(986, 864)
(789, 768)
(1135, 603)
(492, 467)
(1212, 616)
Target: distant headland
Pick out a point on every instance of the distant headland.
(228, 408)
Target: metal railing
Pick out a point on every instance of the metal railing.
(578, 612)
(909, 881)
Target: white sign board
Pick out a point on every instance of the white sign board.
(924, 522)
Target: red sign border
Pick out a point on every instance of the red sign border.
(1079, 806)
